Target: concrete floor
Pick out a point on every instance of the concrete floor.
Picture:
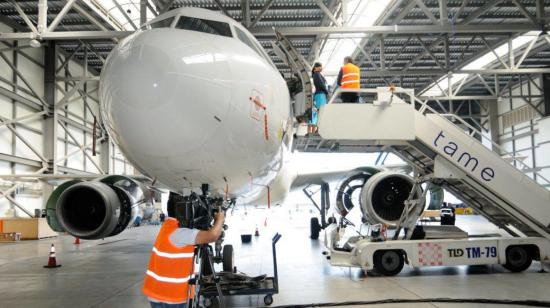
(109, 273)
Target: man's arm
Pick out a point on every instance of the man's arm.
(212, 235)
(339, 80)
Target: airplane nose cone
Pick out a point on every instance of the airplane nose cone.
(161, 87)
(141, 74)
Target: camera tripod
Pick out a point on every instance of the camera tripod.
(207, 273)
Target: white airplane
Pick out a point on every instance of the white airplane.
(196, 100)
(192, 98)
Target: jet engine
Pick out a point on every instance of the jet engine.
(97, 209)
(383, 197)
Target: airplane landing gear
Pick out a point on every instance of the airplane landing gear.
(314, 228)
(228, 258)
(315, 225)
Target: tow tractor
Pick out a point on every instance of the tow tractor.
(427, 245)
(388, 257)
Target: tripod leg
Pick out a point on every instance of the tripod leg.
(216, 281)
(196, 296)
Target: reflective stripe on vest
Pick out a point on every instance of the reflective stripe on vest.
(183, 255)
(350, 77)
(167, 279)
(170, 268)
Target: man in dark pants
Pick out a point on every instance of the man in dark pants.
(349, 77)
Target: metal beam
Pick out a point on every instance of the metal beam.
(245, 12)
(42, 25)
(31, 146)
(424, 72)
(426, 11)
(262, 13)
(163, 6)
(60, 15)
(89, 17)
(397, 29)
(540, 12)
(222, 8)
(49, 140)
(525, 12)
(128, 19)
(430, 53)
(20, 160)
(142, 12)
(443, 12)
(23, 100)
(105, 157)
(494, 53)
(298, 31)
(23, 79)
(480, 11)
(75, 140)
(404, 12)
(327, 12)
(526, 52)
(24, 16)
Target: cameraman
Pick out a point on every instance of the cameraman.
(171, 264)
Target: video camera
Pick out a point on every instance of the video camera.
(197, 211)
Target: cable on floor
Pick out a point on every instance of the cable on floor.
(530, 303)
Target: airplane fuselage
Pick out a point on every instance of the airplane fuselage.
(191, 108)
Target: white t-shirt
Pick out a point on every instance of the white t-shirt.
(184, 236)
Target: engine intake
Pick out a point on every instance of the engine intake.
(383, 197)
(89, 210)
(95, 209)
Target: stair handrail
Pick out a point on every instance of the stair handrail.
(425, 106)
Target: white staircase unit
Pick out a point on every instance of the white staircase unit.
(459, 162)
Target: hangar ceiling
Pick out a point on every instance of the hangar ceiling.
(413, 44)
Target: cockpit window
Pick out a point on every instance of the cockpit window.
(204, 25)
(257, 48)
(245, 39)
(165, 23)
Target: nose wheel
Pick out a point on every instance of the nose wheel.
(228, 258)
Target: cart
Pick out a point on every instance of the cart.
(232, 284)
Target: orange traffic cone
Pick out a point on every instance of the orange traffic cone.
(77, 241)
(257, 232)
(52, 263)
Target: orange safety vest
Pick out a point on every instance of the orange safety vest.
(170, 268)
(350, 76)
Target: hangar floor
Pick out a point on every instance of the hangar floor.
(109, 273)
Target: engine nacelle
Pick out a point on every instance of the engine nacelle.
(96, 209)
(383, 197)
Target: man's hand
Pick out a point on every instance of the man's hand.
(209, 236)
(219, 217)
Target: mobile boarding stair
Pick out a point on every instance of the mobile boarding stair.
(437, 148)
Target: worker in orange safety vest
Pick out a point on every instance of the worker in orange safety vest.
(171, 264)
(349, 77)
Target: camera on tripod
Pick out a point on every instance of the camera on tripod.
(197, 211)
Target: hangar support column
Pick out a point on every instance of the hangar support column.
(494, 126)
(49, 138)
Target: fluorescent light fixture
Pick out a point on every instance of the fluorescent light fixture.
(362, 13)
(501, 51)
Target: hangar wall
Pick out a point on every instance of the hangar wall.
(22, 142)
(523, 130)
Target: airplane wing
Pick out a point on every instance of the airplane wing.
(332, 176)
(57, 179)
